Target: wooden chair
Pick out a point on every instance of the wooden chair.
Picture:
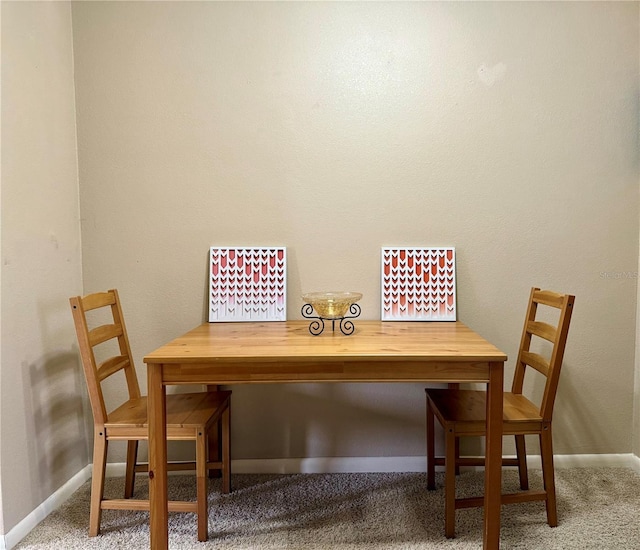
(190, 416)
(462, 413)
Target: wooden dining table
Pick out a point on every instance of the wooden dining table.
(286, 352)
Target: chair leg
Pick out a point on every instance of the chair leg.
(130, 475)
(450, 483)
(548, 476)
(226, 450)
(521, 453)
(97, 480)
(431, 451)
(202, 479)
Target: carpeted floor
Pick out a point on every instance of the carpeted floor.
(598, 509)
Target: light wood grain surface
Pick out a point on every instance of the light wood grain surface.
(236, 353)
(285, 352)
(288, 341)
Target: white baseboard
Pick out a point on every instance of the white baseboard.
(589, 461)
(410, 464)
(305, 466)
(329, 465)
(635, 463)
(13, 537)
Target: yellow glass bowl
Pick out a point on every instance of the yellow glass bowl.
(331, 305)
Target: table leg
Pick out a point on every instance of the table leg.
(157, 416)
(493, 464)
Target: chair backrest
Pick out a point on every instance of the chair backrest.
(548, 365)
(111, 332)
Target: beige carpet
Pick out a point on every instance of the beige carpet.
(598, 509)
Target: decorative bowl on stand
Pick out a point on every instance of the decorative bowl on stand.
(331, 306)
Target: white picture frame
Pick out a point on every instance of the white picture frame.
(247, 284)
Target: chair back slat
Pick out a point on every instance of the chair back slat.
(90, 337)
(104, 333)
(98, 300)
(543, 330)
(549, 298)
(536, 361)
(111, 366)
(549, 366)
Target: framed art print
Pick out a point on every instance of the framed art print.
(418, 284)
(247, 284)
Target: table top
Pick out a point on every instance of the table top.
(290, 341)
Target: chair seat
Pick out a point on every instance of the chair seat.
(184, 410)
(465, 411)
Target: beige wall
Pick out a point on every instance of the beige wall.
(507, 130)
(1, 507)
(43, 418)
(636, 408)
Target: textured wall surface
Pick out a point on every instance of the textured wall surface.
(42, 404)
(506, 130)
